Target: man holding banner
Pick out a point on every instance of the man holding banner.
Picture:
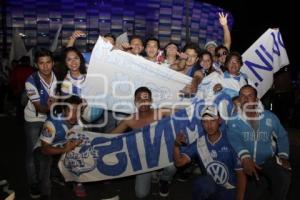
(223, 178)
(145, 116)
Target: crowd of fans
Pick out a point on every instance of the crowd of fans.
(256, 148)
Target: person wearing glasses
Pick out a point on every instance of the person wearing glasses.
(221, 53)
(229, 82)
(233, 79)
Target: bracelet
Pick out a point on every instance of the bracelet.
(177, 144)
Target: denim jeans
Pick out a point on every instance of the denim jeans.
(32, 131)
(45, 162)
(143, 181)
(272, 178)
(206, 188)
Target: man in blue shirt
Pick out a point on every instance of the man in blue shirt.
(251, 134)
(223, 176)
(54, 140)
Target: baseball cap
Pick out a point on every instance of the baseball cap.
(210, 43)
(211, 111)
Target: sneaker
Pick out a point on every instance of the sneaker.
(79, 190)
(183, 176)
(164, 188)
(112, 198)
(155, 177)
(35, 192)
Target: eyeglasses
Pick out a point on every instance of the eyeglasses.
(224, 53)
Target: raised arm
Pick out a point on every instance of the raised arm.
(74, 36)
(179, 159)
(226, 31)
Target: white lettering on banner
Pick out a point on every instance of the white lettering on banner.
(264, 58)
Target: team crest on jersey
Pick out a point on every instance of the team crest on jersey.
(47, 132)
(224, 149)
(76, 160)
(213, 154)
(218, 171)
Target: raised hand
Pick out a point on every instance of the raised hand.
(182, 55)
(180, 139)
(77, 34)
(223, 18)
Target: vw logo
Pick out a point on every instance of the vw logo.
(218, 171)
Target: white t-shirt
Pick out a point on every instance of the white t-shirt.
(46, 91)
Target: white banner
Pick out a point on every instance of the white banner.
(114, 75)
(265, 57)
(108, 156)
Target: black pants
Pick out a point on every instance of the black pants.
(273, 179)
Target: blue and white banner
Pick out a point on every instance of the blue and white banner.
(109, 156)
(114, 75)
(264, 58)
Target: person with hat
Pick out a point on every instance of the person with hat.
(223, 176)
(210, 46)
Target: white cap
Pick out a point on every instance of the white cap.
(210, 43)
(210, 110)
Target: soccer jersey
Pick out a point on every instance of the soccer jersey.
(225, 160)
(240, 80)
(54, 132)
(72, 85)
(46, 91)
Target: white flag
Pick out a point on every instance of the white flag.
(264, 58)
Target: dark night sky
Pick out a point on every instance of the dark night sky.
(254, 17)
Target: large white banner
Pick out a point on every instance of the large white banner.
(264, 58)
(112, 78)
(114, 75)
(108, 156)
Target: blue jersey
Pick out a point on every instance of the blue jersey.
(45, 91)
(242, 79)
(225, 160)
(54, 132)
(72, 85)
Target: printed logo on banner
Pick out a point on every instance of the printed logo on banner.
(76, 162)
(218, 171)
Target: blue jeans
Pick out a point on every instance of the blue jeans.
(206, 188)
(45, 162)
(143, 181)
(32, 131)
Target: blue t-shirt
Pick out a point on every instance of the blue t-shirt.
(225, 159)
(54, 131)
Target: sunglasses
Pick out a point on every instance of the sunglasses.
(224, 53)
